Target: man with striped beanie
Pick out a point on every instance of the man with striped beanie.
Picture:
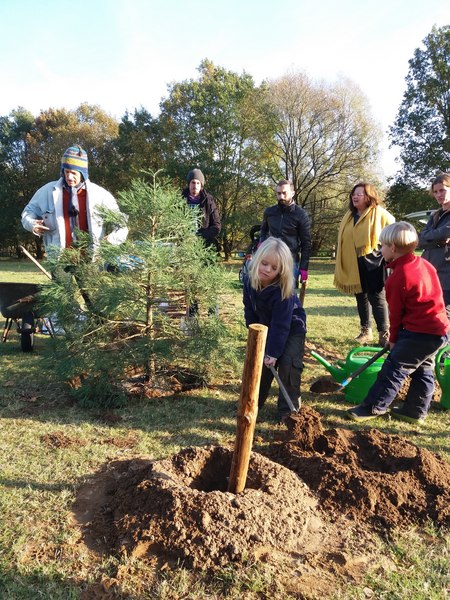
(59, 210)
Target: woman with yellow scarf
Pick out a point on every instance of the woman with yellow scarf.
(359, 264)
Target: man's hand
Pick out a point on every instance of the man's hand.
(39, 228)
(303, 275)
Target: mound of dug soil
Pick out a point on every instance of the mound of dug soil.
(308, 510)
(366, 475)
(179, 509)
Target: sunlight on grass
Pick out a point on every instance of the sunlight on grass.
(49, 446)
(21, 271)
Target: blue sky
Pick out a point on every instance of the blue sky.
(122, 54)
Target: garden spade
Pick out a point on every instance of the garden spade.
(283, 389)
(362, 368)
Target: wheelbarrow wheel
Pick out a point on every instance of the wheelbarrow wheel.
(27, 333)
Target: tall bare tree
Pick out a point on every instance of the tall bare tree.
(208, 123)
(320, 136)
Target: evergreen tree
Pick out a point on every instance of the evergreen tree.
(122, 307)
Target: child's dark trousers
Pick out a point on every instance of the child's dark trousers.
(413, 354)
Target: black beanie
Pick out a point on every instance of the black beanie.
(196, 174)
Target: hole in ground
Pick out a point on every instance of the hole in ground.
(211, 472)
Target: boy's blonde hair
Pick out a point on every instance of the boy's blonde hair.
(274, 247)
(402, 234)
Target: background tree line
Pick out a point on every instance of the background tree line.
(245, 138)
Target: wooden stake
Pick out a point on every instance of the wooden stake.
(248, 407)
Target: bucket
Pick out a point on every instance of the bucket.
(358, 388)
(442, 370)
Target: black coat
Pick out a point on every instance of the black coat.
(432, 240)
(210, 219)
(291, 224)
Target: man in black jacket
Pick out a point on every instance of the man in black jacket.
(290, 222)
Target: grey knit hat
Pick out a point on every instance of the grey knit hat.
(196, 174)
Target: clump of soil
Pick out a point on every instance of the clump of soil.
(58, 439)
(305, 427)
(163, 384)
(324, 385)
(366, 475)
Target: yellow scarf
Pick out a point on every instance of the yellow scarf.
(355, 240)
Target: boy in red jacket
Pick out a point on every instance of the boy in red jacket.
(418, 329)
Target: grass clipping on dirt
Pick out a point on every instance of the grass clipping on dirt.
(296, 498)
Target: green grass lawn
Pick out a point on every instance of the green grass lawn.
(20, 271)
(39, 477)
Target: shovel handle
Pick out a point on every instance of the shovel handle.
(39, 266)
(302, 293)
(363, 367)
(283, 389)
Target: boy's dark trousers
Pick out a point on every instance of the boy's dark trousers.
(290, 367)
(413, 354)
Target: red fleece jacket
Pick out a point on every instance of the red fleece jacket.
(414, 296)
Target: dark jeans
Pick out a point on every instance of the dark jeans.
(368, 304)
(413, 354)
(193, 310)
(290, 367)
(296, 274)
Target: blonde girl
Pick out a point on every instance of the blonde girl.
(269, 299)
(274, 251)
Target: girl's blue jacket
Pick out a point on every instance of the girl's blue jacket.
(282, 317)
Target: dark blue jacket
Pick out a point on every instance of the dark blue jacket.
(282, 317)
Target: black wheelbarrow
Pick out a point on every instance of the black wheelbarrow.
(18, 305)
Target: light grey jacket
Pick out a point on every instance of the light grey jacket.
(47, 204)
(432, 240)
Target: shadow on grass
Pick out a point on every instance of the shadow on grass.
(191, 418)
(331, 311)
(34, 485)
(198, 417)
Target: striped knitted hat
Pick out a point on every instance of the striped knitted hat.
(75, 159)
